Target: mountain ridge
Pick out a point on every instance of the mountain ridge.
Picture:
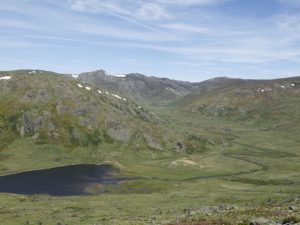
(96, 106)
(50, 107)
(139, 86)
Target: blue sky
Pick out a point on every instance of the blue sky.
(180, 39)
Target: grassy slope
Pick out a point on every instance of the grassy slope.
(58, 111)
(263, 156)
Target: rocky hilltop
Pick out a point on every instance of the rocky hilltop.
(139, 87)
(53, 108)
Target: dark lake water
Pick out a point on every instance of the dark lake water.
(60, 181)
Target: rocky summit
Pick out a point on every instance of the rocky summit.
(139, 87)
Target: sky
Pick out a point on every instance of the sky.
(191, 40)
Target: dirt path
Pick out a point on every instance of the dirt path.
(242, 157)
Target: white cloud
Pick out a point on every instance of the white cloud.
(67, 25)
(151, 11)
(288, 22)
(181, 27)
(191, 2)
(120, 33)
(96, 6)
(130, 9)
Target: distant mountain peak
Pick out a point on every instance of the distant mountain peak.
(114, 74)
(138, 86)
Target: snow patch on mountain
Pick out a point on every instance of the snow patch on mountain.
(5, 78)
(116, 96)
(115, 75)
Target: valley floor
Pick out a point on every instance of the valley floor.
(248, 172)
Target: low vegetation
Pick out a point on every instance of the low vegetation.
(223, 171)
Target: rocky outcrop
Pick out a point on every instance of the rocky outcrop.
(152, 142)
(263, 221)
(29, 124)
(120, 134)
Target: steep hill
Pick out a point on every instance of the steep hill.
(52, 108)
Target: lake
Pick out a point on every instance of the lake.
(61, 181)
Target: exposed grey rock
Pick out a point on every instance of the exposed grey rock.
(152, 142)
(81, 111)
(120, 134)
(263, 221)
(293, 208)
(180, 147)
(38, 123)
(62, 109)
(28, 124)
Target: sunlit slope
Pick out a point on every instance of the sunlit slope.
(57, 109)
(246, 100)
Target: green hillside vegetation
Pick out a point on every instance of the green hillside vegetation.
(270, 100)
(56, 109)
(225, 153)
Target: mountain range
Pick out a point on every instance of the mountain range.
(139, 87)
(221, 151)
(97, 107)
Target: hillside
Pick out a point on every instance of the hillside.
(247, 100)
(254, 100)
(52, 108)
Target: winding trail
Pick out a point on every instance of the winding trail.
(242, 157)
(262, 167)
